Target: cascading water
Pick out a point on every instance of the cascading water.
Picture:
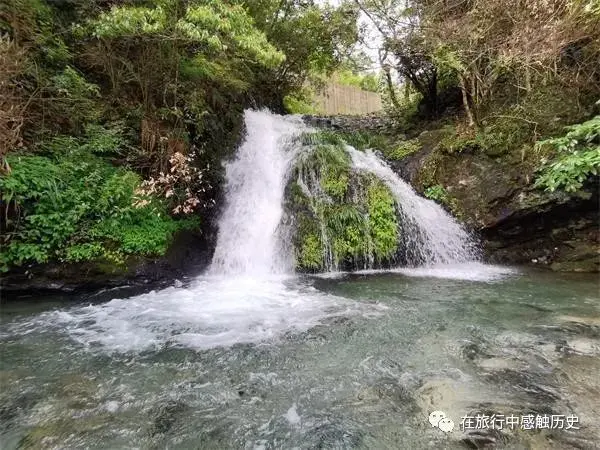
(248, 230)
(245, 296)
(429, 234)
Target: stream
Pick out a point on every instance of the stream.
(250, 355)
(345, 361)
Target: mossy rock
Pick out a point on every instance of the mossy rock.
(350, 219)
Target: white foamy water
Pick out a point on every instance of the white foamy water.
(211, 312)
(469, 271)
(244, 298)
(247, 241)
(429, 234)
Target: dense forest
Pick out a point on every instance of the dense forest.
(115, 115)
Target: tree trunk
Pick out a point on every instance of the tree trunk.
(390, 86)
(465, 100)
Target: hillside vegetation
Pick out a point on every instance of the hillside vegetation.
(114, 116)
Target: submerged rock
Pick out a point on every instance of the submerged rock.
(165, 416)
(341, 218)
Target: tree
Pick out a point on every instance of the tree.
(488, 43)
(316, 39)
(405, 48)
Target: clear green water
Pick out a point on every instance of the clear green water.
(357, 361)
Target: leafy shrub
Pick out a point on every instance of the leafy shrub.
(578, 157)
(311, 252)
(367, 82)
(437, 193)
(383, 224)
(76, 206)
(299, 104)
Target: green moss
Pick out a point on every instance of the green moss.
(383, 224)
(335, 184)
(356, 212)
(498, 136)
(404, 149)
(360, 140)
(297, 196)
(427, 174)
(439, 194)
(455, 142)
(348, 245)
(311, 252)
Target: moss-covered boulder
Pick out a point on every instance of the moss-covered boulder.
(342, 219)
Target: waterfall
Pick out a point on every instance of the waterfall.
(249, 241)
(429, 234)
(252, 238)
(243, 298)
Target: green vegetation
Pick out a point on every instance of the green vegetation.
(311, 253)
(403, 149)
(75, 206)
(360, 140)
(114, 116)
(349, 217)
(578, 157)
(476, 70)
(303, 101)
(383, 223)
(366, 82)
(299, 103)
(437, 193)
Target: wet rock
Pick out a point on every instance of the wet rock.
(374, 122)
(444, 394)
(387, 389)
(14, 406)
(62, 432)
(165, 416)
(473, 350)
(518, 223)
(188, 254)
(497, 363)
(584, 326)
(534, 385)
(332, 433)
(484, 439)
(580, 346)
(338, 325)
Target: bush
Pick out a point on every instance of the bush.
(578, 157)
(404, 149)
(74, 207)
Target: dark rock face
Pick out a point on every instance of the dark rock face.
(517, 223)
(560, 231)
(189, 254)
(374, 122)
